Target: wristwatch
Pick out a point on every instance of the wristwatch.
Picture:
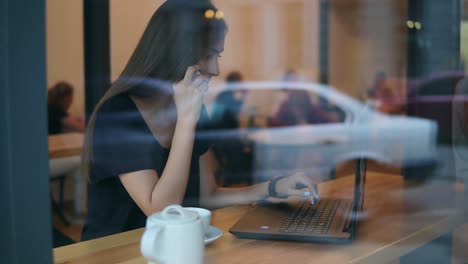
(272, 188)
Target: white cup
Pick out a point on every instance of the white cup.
(205, 216)
(174, 236)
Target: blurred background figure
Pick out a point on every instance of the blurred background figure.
(298, 108)
(291, 76)
(59, 100)
(234, 77)
(387, 95)
(228, 105)
(377, 85)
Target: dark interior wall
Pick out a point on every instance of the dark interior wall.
(433, 72)
(436, 46)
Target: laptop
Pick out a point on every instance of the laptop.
(329, 220)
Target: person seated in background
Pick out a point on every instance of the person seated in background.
(298, 109)
(228, 104)
(387, 94)
(291, 76)
(59, 100)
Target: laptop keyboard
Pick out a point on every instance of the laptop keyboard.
(310, 218)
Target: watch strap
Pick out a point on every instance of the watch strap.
(272, 188)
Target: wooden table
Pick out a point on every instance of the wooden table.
(400, 218)
(65, 145)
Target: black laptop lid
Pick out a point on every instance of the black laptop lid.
(358, 201)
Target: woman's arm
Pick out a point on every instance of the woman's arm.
(212, 196)
(74, 123)
(151, 191)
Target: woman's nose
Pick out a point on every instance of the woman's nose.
(213, 70)
(215, 73)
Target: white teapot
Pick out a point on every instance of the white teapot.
(173, 236)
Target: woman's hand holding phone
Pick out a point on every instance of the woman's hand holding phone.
(188, 95)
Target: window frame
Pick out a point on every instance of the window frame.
(25, 224)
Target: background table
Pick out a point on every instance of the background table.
(65, 145)
(400, 217)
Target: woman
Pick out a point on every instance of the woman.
(59, 100)
(140, 149)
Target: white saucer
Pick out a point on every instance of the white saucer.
(212, 234)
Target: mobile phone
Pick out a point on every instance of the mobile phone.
(195, 75)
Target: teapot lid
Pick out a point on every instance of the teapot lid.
(176, 214)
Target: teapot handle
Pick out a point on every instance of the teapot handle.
(171, 208)
(149, 249)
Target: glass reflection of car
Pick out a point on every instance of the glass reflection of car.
(357, 132)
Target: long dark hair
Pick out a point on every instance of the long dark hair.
(178, 35)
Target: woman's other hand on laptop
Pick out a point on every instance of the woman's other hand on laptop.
(288, 186)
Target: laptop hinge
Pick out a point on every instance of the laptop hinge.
(349, 221)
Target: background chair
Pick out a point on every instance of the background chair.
(60, 170)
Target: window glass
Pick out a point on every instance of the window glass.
(186, 98)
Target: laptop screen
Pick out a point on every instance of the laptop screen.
(358, 201)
